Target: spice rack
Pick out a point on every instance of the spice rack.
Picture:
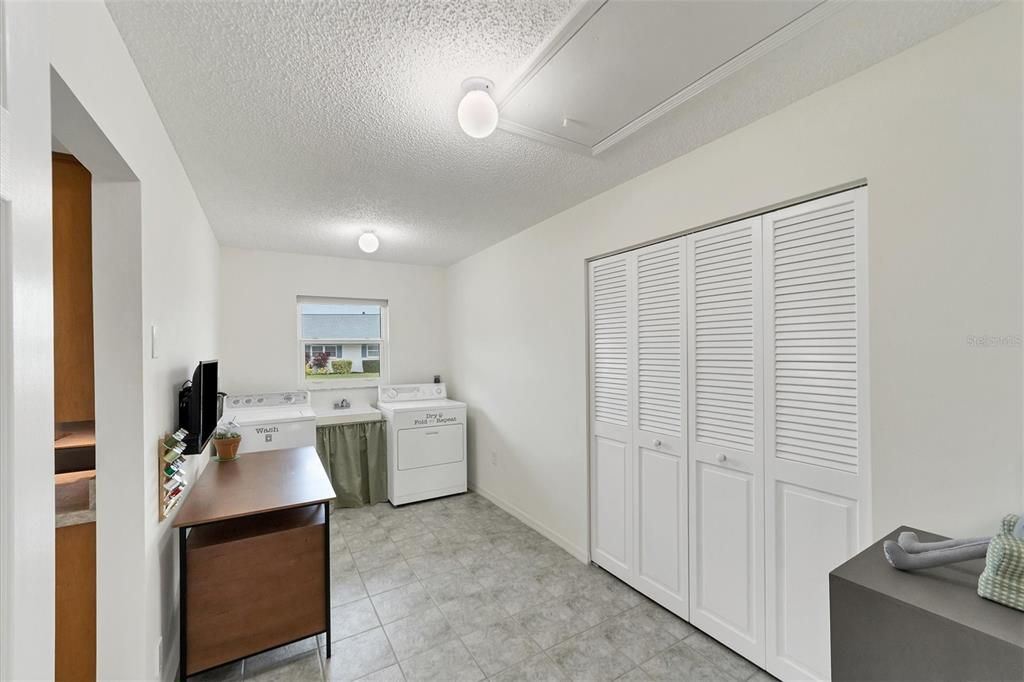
(172, 471)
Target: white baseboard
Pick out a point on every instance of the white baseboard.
(169, 668)
(569, 546)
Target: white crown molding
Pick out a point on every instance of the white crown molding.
(571, 25)
(541, 136)
(804, 22)
(791, 30)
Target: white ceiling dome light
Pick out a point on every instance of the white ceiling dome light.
(368, 242)
(478, 114)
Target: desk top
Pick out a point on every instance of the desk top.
(254, 483)
(948, 591)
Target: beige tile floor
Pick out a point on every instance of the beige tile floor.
(456, 589)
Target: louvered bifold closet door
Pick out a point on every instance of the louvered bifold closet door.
(659, 437)
(726, 443)
(816, 478)
(611, 292)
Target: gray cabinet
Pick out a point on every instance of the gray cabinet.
(921, 625)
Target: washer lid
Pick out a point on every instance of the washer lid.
(269, 415)
(420, 406)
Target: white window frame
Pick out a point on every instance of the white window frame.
(335, 384)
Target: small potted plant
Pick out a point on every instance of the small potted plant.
(226, 440)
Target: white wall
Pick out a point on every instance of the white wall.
(258, 332)
(936, 131)
(172, 256)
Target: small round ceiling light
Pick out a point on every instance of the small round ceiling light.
(478, 114)
(368, 242)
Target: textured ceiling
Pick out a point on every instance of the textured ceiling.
(303, 124)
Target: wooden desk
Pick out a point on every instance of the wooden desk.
(255, 569)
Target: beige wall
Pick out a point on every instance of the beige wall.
(936, 131)
(258, 334)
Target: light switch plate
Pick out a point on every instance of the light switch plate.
(152, 342)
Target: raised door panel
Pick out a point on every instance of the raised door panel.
(725, 525)
(612, 414)
(613, 512)
(814, 531)
(659, 435)
(662, 565)
(726, 443)
(816, 469)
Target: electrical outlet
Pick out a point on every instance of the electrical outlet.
(494, 458)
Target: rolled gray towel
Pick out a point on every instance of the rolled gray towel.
(909, 542)
(903, 560)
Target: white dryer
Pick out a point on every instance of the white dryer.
(426, 434)
(272, 421)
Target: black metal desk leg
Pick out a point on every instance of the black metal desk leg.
(182, 604)
(327, 572)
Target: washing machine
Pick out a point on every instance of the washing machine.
(272, 421)
(426, 440)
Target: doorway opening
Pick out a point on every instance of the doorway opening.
(98, 401)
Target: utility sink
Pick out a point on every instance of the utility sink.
(348, 415)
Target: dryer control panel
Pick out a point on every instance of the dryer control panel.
(400, 393)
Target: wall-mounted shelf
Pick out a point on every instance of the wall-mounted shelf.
(173, 480)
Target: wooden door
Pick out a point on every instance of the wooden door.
(726, 444)
(72, 291)
(659, 434)
(75, 598)
(816, 467)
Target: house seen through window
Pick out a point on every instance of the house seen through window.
(341, 341)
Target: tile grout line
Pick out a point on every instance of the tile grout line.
(488, 594)
(437, 605)
(391, 646)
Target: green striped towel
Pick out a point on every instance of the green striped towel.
(1002, 580)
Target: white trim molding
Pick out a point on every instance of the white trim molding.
(565, 543)
(6, 183)
(586, 11)
(569, 27)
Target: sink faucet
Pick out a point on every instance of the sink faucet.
(342, 404)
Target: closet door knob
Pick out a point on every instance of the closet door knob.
(722, 457)
(657, 442)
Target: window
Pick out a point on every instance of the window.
(342, 342)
